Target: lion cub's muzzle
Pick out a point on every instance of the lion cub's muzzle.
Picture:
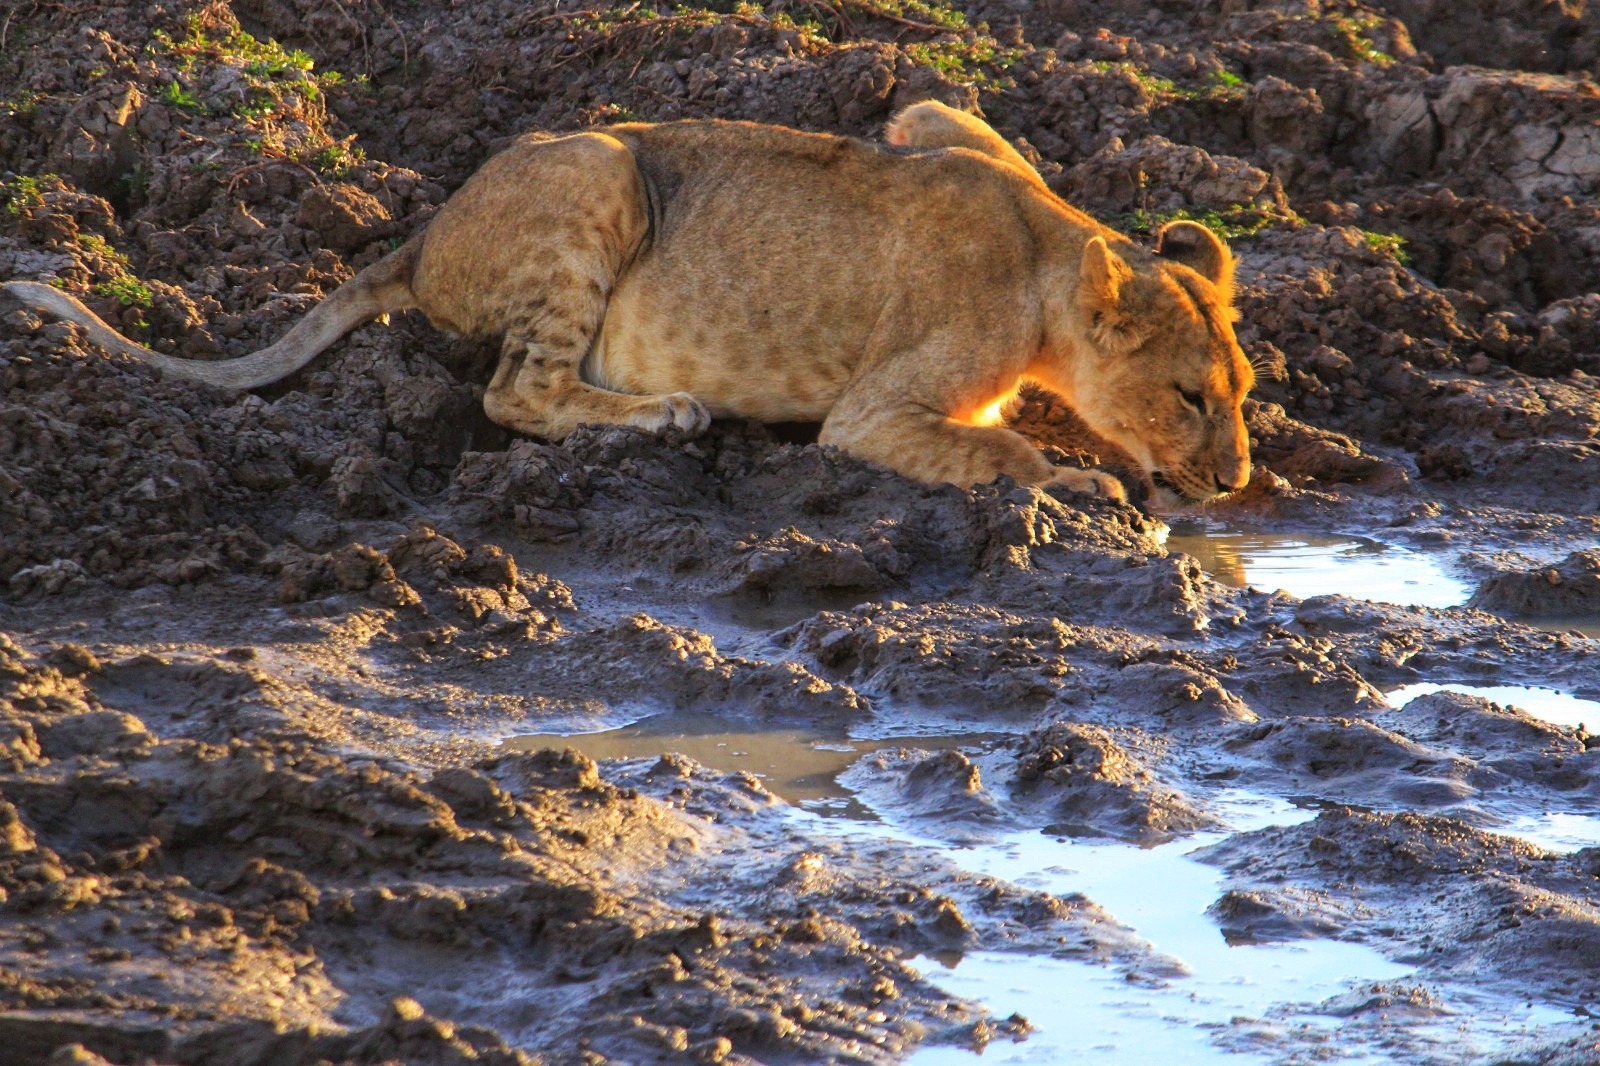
(1171, 493)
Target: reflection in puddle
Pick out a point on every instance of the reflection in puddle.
(1587, 625)
(1086, 1011)
(1081, 1013)
(1091, 1014)
(802, 766)
(1163, 894)
(1555, 831)
(1315, 564)
(1233, 998)
(1231, 994)
(1546, 704)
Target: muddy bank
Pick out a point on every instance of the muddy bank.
(259, 650)
(228, 900)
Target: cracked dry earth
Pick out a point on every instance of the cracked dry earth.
(260, 654)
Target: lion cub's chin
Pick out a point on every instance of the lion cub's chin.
(1164, 498)
(1165, 501)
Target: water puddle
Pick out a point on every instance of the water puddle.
(1090, 1014)
(1558, 831)
(1235, 999)
(801, 766)
(1584, 624)
(1163, 895)
(1317, 564)
(1232, 995)
(1546, 704)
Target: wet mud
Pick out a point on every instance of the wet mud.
(261, 654)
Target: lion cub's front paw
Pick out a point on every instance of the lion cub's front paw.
(686, 413)
(1093, 482)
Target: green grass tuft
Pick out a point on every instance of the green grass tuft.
(1390, 244)
(175, 95)
(1229, 223)
(128, 291)
(21, 194)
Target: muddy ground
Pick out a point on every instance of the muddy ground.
(257, 652)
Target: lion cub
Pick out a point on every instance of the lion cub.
(659, 275)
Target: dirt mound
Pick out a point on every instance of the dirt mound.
(1474, 900)
(1570, 588)
(1520, 36)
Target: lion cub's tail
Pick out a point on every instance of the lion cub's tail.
(383, 287)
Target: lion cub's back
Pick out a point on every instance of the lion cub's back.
(778, 259)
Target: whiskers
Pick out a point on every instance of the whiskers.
(1269, 364)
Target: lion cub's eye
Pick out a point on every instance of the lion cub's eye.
(1192, 400)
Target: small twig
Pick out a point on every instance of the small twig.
(237, 175)
(653, 27)
(405, 49)
(366, 40)
(11, 13)
(842, 19)
(900, 20)
(5, 27)
(925, 27)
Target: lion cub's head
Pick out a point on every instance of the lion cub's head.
(1162, 375)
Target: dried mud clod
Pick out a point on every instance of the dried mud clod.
(1569, 588)
(1090, 785)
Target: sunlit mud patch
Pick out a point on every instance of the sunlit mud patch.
(1317, 564)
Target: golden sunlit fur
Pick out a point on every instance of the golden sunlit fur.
(931, 124)
(658, 275)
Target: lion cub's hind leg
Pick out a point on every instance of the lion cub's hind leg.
(532, 246)
(537, 390)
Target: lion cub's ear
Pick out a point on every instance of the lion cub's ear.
(1197, 248)
(1102, 275)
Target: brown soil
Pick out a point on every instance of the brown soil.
(256, 650)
